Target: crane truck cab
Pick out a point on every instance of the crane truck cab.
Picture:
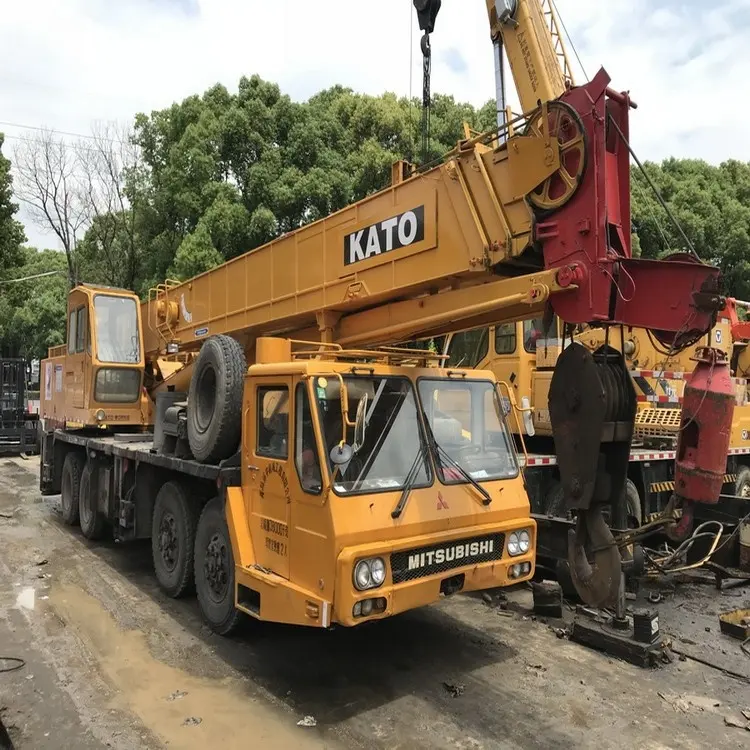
(96, 379)
(371, 484)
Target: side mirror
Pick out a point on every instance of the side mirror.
(341, 454)
(360, 426)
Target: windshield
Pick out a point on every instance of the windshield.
(466, 421)
(393, 442)
(117, 337)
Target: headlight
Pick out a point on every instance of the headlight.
(524, 541)
(514, 547)
(369, 573)
(519, 543)
(377, 571)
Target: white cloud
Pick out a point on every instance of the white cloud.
(66, 64)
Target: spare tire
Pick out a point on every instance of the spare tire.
(214, 411)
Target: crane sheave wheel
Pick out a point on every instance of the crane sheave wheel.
(566, 127)
(214, 411)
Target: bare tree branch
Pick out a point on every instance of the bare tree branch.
(45, 168)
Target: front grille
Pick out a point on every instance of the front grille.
(440, 558)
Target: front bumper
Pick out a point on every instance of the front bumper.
(426, 584)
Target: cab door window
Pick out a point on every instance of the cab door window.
(81, 329)
(306, 456)
(273, 422)
(505, 338)
(469, 348)
(72, 318)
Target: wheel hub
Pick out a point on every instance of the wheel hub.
(216, 566)
(168, 540)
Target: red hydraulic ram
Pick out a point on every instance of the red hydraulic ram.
(703, 443)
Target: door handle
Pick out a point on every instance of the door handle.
(251, 467)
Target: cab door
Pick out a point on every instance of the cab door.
(75, 361)
(268, 458)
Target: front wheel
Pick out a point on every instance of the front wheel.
(214, 570)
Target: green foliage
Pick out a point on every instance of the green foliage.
(711, 203)
(32, 313)
(226, 172)
(11, 231)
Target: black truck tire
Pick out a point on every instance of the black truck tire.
(633, 506)
(92, 521)
(70, 486)
(173, 539)
(742, 484)
(214, 570)
(214, 411)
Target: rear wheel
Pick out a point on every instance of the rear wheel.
(92, 521)
(214, 570)
(173, 538)
(70, 486)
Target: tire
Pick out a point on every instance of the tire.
(173, 538)
(214, 408)
(70, 484)
(633, 505)
(92, 521)
(215, 588)
(742, 485)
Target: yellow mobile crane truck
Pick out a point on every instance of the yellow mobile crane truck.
(334, 479)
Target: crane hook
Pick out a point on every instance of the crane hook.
(594, 559)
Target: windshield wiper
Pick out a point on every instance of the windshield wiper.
(409, 482)
(440, 451)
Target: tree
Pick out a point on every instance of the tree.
(226, 172)
(47, 183)
(711, 204)
(33, 312)
(11, 230)
(110, 178)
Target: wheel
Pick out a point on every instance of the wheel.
(567, 132)
(173, 538)
(69, 487)
(742, 485)
(92, 521)
(214, 570)
(633, 504)
(215, 399)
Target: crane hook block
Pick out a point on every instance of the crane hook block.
(427, 11)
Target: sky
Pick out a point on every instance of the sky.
(65, 64)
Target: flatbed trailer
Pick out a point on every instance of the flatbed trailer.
(130, 513)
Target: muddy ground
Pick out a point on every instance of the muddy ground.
(111, 662)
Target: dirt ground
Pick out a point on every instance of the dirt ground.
(111, 662)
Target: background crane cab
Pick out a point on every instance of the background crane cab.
(521, 354)
(95, 378)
